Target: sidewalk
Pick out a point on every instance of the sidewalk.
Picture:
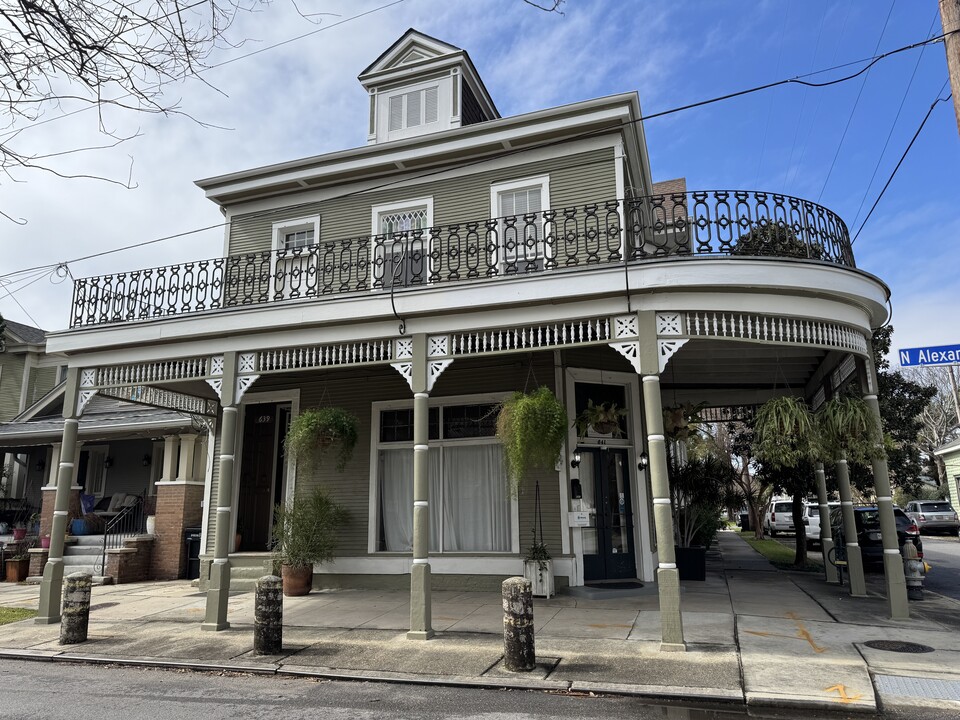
(754, 635)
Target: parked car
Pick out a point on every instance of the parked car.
(811, 522)
(868, 532)
(933, 516)
(778, 517)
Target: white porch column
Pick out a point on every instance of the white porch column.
(52, 585)
(826, 534)
(53, 469)
(858, 587)
(668, 577)
(188, 442)
(421, 616)
(170, 446)
(219, 588)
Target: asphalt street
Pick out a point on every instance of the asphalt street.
(943, 555)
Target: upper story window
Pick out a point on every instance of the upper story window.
(414, 108)
(519, 204)
(299, 233)
(401, 254)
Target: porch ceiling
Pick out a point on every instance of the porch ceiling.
(708, 370)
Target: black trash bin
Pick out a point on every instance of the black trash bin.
(191, 542)
(745, 521)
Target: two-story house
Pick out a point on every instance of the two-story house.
(416, 281)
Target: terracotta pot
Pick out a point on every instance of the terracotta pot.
(17, 570)
(297, 581)
(19, 534)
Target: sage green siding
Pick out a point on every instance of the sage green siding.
(11, 381)
(42, 381)
(574, 180)
(356, 390)
(951, 463)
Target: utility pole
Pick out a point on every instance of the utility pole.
(950, 18)
(956, 395)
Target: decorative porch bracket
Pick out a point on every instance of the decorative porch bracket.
(438, 359)
(246, 375)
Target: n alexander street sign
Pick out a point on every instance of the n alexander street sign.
(939, 355)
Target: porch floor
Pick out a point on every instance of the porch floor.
(749, 628)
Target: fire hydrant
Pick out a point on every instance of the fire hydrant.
(913, 571)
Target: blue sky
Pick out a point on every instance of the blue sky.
(303, 99)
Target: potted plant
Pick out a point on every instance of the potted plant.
(18, 566)
(532, 428)
(305, 532)
(697, 493)
(679, 420)
(19, 531)
(34, 524)
(603, 419)
(316, 432)
(45, 541)
(538, 568)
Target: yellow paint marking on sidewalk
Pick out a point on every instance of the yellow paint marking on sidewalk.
(842, 690)
(802, 634)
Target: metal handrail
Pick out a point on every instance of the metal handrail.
(699, 223)
(128, 522)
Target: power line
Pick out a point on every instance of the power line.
(866, 190)
(798, 80)
(766, 127)
(902, 157)
(856, 103)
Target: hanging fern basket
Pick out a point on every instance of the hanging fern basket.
(319, 432)
(532, 428)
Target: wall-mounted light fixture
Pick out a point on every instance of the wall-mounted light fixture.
(643, 460)
(575, 462)
(108, 463)
(146, 460)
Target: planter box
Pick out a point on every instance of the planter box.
(691, 562)
(17, 570)
(542, 581)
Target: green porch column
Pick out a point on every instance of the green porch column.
(51, 588)
(858, 587)
(826, 533)
(421, 617)
(668, 577)
(892, 560)
(218, 591)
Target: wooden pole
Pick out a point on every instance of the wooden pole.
(950, 18)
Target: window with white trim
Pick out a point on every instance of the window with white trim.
(293, 265)
(413, 108)
(299, 233)
(470, 503)
(401, 253)
(519, 205)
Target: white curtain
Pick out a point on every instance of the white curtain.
(476, 507)
(396, 499)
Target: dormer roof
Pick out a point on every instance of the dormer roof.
(416, 55)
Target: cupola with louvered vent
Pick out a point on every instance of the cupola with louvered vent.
(422, 85)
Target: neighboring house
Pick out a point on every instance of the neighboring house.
(950, 454)
(26, 375)
(416, 281)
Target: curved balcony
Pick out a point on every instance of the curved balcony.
(687, 225)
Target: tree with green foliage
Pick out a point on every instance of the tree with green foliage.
(772, 239)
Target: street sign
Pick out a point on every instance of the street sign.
(939, 355)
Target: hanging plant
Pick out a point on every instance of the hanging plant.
(849, 430)
(785, 433)
(679, 420)
(318, 432)
(603, 419)
(532, 429)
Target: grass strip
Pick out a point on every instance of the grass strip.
(15, 614)
(779, 555)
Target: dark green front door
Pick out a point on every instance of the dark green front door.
(608, 552)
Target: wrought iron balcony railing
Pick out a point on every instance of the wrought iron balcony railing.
(682, 225)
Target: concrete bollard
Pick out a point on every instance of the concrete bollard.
(518, 649)
(912, 571)
(75, 616)
(268, 616)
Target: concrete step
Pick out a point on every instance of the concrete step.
(82, 550)
(86, 540)
(97, 580)
(247, 572)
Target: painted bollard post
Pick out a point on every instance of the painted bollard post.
(75, 616)
(268, 616)
(518, 649)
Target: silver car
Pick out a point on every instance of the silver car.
(933, 516)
